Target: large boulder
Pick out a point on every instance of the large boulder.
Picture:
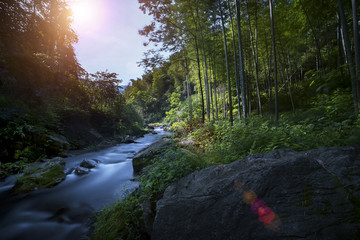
(282, 194)
(144, 157)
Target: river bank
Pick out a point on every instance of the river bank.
(62, 212)
(38, 144)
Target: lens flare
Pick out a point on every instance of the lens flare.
(258, 206)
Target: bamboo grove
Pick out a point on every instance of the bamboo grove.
(234, 58)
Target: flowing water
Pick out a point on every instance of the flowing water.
(62, 212)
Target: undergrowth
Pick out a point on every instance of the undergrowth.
(329, 122)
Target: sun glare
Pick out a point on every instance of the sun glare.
(82, 11)
(86, 13)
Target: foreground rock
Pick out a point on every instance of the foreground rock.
(277, 195)
(144, 157)
(37, 176)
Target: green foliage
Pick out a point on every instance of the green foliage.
(121, 220)
(328, 123)
(12, 131)
(167, 168)
(153, 94)
(175, 104)
(204, 135)
(23, 142)
(9, 168)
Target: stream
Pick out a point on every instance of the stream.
(62, 212)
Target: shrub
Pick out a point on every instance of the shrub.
(121, 220)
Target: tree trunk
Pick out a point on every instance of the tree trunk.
(275, 62)
(206, 84)
(201, 88)
(215, 87)
(289, 86)
(235, 62)
(211, 99)
(268, 58)
(227, 65)
(224, 102)
(266, 84)
(349, 56)
(206, 78)
(290, 94)
(316, 40)
(255, 55)
(188, 90)
(287, 78)
(356, 43)
(241, 61)
(338, 36)
(249, 84)
(210, 91)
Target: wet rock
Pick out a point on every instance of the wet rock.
(70, 171)
(80, 171)
(128, 140)
(153, 132)
(282, 194)
(88, 163)
(144, 157)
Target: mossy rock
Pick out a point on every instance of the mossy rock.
(144, 157)
(44, 176)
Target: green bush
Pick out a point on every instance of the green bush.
(174, 164)
(121, 220)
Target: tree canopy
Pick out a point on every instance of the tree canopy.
(312, 54)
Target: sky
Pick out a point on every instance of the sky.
(108, 36)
